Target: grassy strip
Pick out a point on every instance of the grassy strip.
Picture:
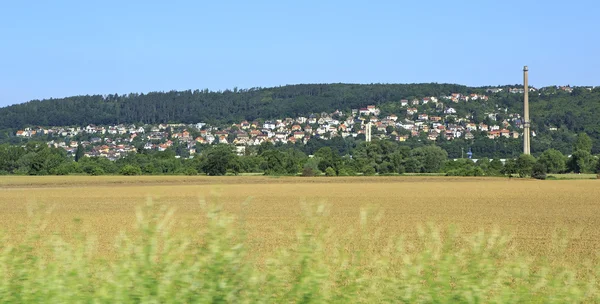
(213, 265)
(572, 176)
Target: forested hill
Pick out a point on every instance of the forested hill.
(213, 107)
(557, 114)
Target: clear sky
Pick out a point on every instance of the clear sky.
(63, 48)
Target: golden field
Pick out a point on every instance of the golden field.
(271, 208)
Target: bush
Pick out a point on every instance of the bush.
(369, 171)
(308, 172)
(473, 171)
(131, 170)
(63, 169)
(525, 164)
(539, 171)
(343, 172)
(191, 172)
(95, 171)
(330, 172)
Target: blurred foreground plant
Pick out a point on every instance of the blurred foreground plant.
(156, 265)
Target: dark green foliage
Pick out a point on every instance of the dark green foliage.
(226, 106)
(430, 158)
(510, 167)
(584, 143)
(308, 172)
(553, 160)
(80, 153)
(344, 172)
(463, 167)
(130, 170)
(218, 160)
(191, 172)
(328, 159)
(496, 166)
(96, 171)
(525, 164)
(369, 171)
(330, 172)
(581, 162)
(539, 171)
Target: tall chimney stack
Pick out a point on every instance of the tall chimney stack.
(526, 123)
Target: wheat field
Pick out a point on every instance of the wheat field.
(174, 239)
(270, 209)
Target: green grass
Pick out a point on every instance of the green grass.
(155, 265)
(572, 176)
(423, 174)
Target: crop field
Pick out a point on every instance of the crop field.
(557, 221)
(271, 208)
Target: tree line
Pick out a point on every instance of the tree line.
(379, 157)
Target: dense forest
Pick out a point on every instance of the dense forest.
(212, 107)
(569, 112)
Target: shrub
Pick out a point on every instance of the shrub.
(539, 171)
(131, 170)
(369, 171)
(95, 171)
(191, 172)
(343, 172)
(330, 172)
(308, 172)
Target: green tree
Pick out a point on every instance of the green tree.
(539, 171)
(217, 160)
(330, 171)
(553, 160)
(431, 158)
(496, 166)
(581, 161)
(583, 143)
(274, 162)
(131, 170)
(328, 158)
(525, 164)
(80, 153)
(510, 167)
(484, 164)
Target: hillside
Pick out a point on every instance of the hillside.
(214, 107)
(557, 113)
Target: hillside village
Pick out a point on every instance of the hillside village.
(433, 118)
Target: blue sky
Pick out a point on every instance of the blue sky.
(63, 48)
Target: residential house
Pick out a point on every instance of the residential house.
(270, 125)
(450, 111)
(471, 127)
(392, 117)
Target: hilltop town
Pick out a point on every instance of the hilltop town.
(433, 118)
